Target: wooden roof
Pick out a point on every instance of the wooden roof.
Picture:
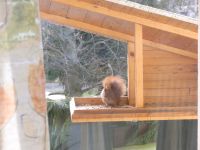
(116, 18)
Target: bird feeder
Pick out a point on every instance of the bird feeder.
(162, 58)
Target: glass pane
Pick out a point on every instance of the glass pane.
(75, 64)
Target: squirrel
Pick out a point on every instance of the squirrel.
(113, 88)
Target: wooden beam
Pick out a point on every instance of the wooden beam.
(112, 34)
(124, 16)
(139, 96)
(131, 73)
(86, 27)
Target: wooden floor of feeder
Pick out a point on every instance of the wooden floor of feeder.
(93, 110)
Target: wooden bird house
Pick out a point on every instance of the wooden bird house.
(162, 58)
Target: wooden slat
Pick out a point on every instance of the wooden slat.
(170, 39)
(170, 68)
(131, 73)
(44, 5)
(167, 92)
(112, 24)
(94, 18)
(57, 8)
(173, 99)
(139, 101)
(76, 14)
(86, 27)
(171, 84)
(102, 109)
(171, 49)
(193, 92)
(132, 117)
(151, 52)
(169, 61)
(101, 113)
(170, 76)
(120, 15)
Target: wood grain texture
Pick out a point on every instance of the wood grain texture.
(96, 28)
(86, 27)
(84, 112)
(128, 17)
(139, 97)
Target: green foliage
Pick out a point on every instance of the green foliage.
(59, 122)
(52, 75)
(143, 133)
(151, 146)
(90, 92)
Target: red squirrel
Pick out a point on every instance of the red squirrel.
(113, 88)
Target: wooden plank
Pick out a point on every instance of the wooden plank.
(171, 49)
(87, 109)
(44, 5)
(170, 68)
(59, 9)
(172, 99)
(154, 52)
(170, 76)
(193, 92)
(151, 52)
(112, 24)
(174, 104)
(101, 113)
(139, 101)
(131, 73)
(132, 117)
(86, 27)
(170, 84)
(167, 92)
(76, 14)
(128, 17)
(169, 61)
(94, 18)
(170, 114)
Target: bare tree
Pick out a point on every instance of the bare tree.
(81, 60)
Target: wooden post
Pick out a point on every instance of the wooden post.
(131, 74)
(139, 96)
